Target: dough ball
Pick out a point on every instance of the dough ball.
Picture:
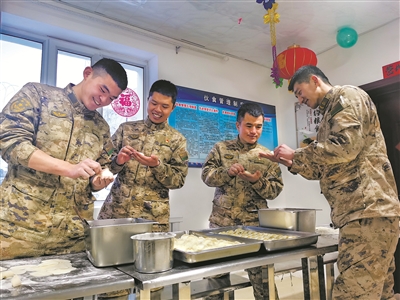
(106, 173)
(16, 281)
(6, 274)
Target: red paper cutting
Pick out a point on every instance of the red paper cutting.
(127, 104)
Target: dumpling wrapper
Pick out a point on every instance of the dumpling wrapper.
(42, 273)
(21, 269)
(55, 260)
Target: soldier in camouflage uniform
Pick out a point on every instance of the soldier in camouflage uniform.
(242, 180)
(153, 159)
(349, 159)
(51, 139)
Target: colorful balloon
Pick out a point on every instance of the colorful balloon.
(346, 37)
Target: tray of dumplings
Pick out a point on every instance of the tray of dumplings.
(195, 246)
(272, 239)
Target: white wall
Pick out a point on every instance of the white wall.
(357, 65)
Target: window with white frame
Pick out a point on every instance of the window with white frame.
(39, 59)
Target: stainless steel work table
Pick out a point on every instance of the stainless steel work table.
(85, 280)
(182, 274)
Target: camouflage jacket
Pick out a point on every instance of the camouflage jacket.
(349, 158)
(139, 190)
(236, 201)
(50, 119)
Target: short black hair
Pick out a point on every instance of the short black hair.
(252, 109)
(114, 69)
(304, 74)
(165, 88)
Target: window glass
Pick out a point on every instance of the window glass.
(135, 83)
(70, 68)
(20, 62)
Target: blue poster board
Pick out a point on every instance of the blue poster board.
(206, 118)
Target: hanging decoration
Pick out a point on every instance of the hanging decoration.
(294, 57)
(346, 37)
(127, 104)
(271, 18)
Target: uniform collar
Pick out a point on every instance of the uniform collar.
(76, 104)
(154, 126)
(327, 99)
(245, 147)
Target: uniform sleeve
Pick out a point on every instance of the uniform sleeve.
(344, 139)
(301, 165)
(19, 122)
(116, 141)
(270, 184)
(108, 150)
(214, 174)
(172, 174)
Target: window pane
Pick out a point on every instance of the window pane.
(70, 68)
(20, 62)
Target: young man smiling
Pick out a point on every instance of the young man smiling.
(152, 160)
(349, 159)
(52, 140)
(243, 182)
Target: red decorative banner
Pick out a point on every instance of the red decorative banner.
(391, 70)
(127, 104)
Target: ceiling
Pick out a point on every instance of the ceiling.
(235, 28)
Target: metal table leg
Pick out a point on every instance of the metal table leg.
(330, 278)
(268, 280)
(181, 291)
(144, 294)
(306, 278)
(313, 277)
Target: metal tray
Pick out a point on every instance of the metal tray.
(248, 246)
(300, 239)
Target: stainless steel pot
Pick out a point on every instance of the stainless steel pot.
(153, 252)
(297, 219)
(101, 236)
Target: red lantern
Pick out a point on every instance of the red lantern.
(290, 60)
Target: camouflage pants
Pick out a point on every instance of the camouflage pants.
(255, 276)
(366, 259)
